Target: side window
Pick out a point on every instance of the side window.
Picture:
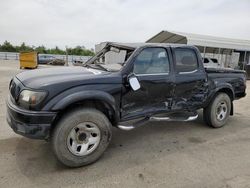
(186, 60)
(214, 60)
(206, 60)
(152, 61)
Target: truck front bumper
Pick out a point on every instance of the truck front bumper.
(31, 124)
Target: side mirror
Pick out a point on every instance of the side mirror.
(134, 83)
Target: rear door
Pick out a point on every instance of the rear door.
(190, 78)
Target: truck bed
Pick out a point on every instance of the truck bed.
(236, 78)
(223, 70)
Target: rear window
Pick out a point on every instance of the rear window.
(186, 60)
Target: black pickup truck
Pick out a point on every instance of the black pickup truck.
(75, 107)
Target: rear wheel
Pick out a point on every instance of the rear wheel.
(81, 137)
(218, 111)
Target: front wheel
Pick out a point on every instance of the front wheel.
(81, 137)
(218, 111)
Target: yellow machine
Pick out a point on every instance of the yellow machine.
(28, 60)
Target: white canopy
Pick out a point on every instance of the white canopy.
(200, 40)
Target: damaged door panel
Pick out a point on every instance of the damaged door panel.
(153, 69)
(191, 81)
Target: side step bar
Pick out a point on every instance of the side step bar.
(126, 128)
(129, 125)
(139, 123)
(190, 118)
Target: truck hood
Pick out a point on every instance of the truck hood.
(65, 77)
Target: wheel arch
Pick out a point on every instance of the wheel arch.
(223, 88)
(228, 90)
(99, 100)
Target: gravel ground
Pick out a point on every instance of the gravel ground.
(156, 155)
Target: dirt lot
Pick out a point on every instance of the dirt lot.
(156, 155)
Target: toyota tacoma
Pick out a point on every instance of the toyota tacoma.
(75, 107)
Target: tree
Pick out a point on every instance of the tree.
(24, 48)
(41, 49)
(7, 47)
(78, 50)
(56, 50)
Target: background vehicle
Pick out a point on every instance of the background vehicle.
(211, 62)
(49, 59)
(57, 62)
(75, 107)
(78, 63)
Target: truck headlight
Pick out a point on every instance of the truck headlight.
(29, 99)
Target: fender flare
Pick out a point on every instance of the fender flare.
(83, 95)
(228, 87)
(221, 86)
(225, 86)
(66, 100)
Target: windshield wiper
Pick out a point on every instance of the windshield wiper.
(103, 68)
(87, 65)
(95, 66)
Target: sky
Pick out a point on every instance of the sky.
(88, 22)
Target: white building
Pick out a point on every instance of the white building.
(229, 52)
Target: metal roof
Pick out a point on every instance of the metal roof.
(200, 40)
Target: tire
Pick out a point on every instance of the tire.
(218, 111)
(68, 136)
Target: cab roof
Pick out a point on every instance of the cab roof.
(137, 45)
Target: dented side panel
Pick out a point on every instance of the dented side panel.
(155, 96)
(191, 91)
(178, 92)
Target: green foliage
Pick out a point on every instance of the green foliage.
(24, 48)
(7, 47)
(56, 50)
(41, 49)
(78, 50)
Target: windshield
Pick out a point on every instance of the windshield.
(111, 58)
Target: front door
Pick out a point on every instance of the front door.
(152, 67)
